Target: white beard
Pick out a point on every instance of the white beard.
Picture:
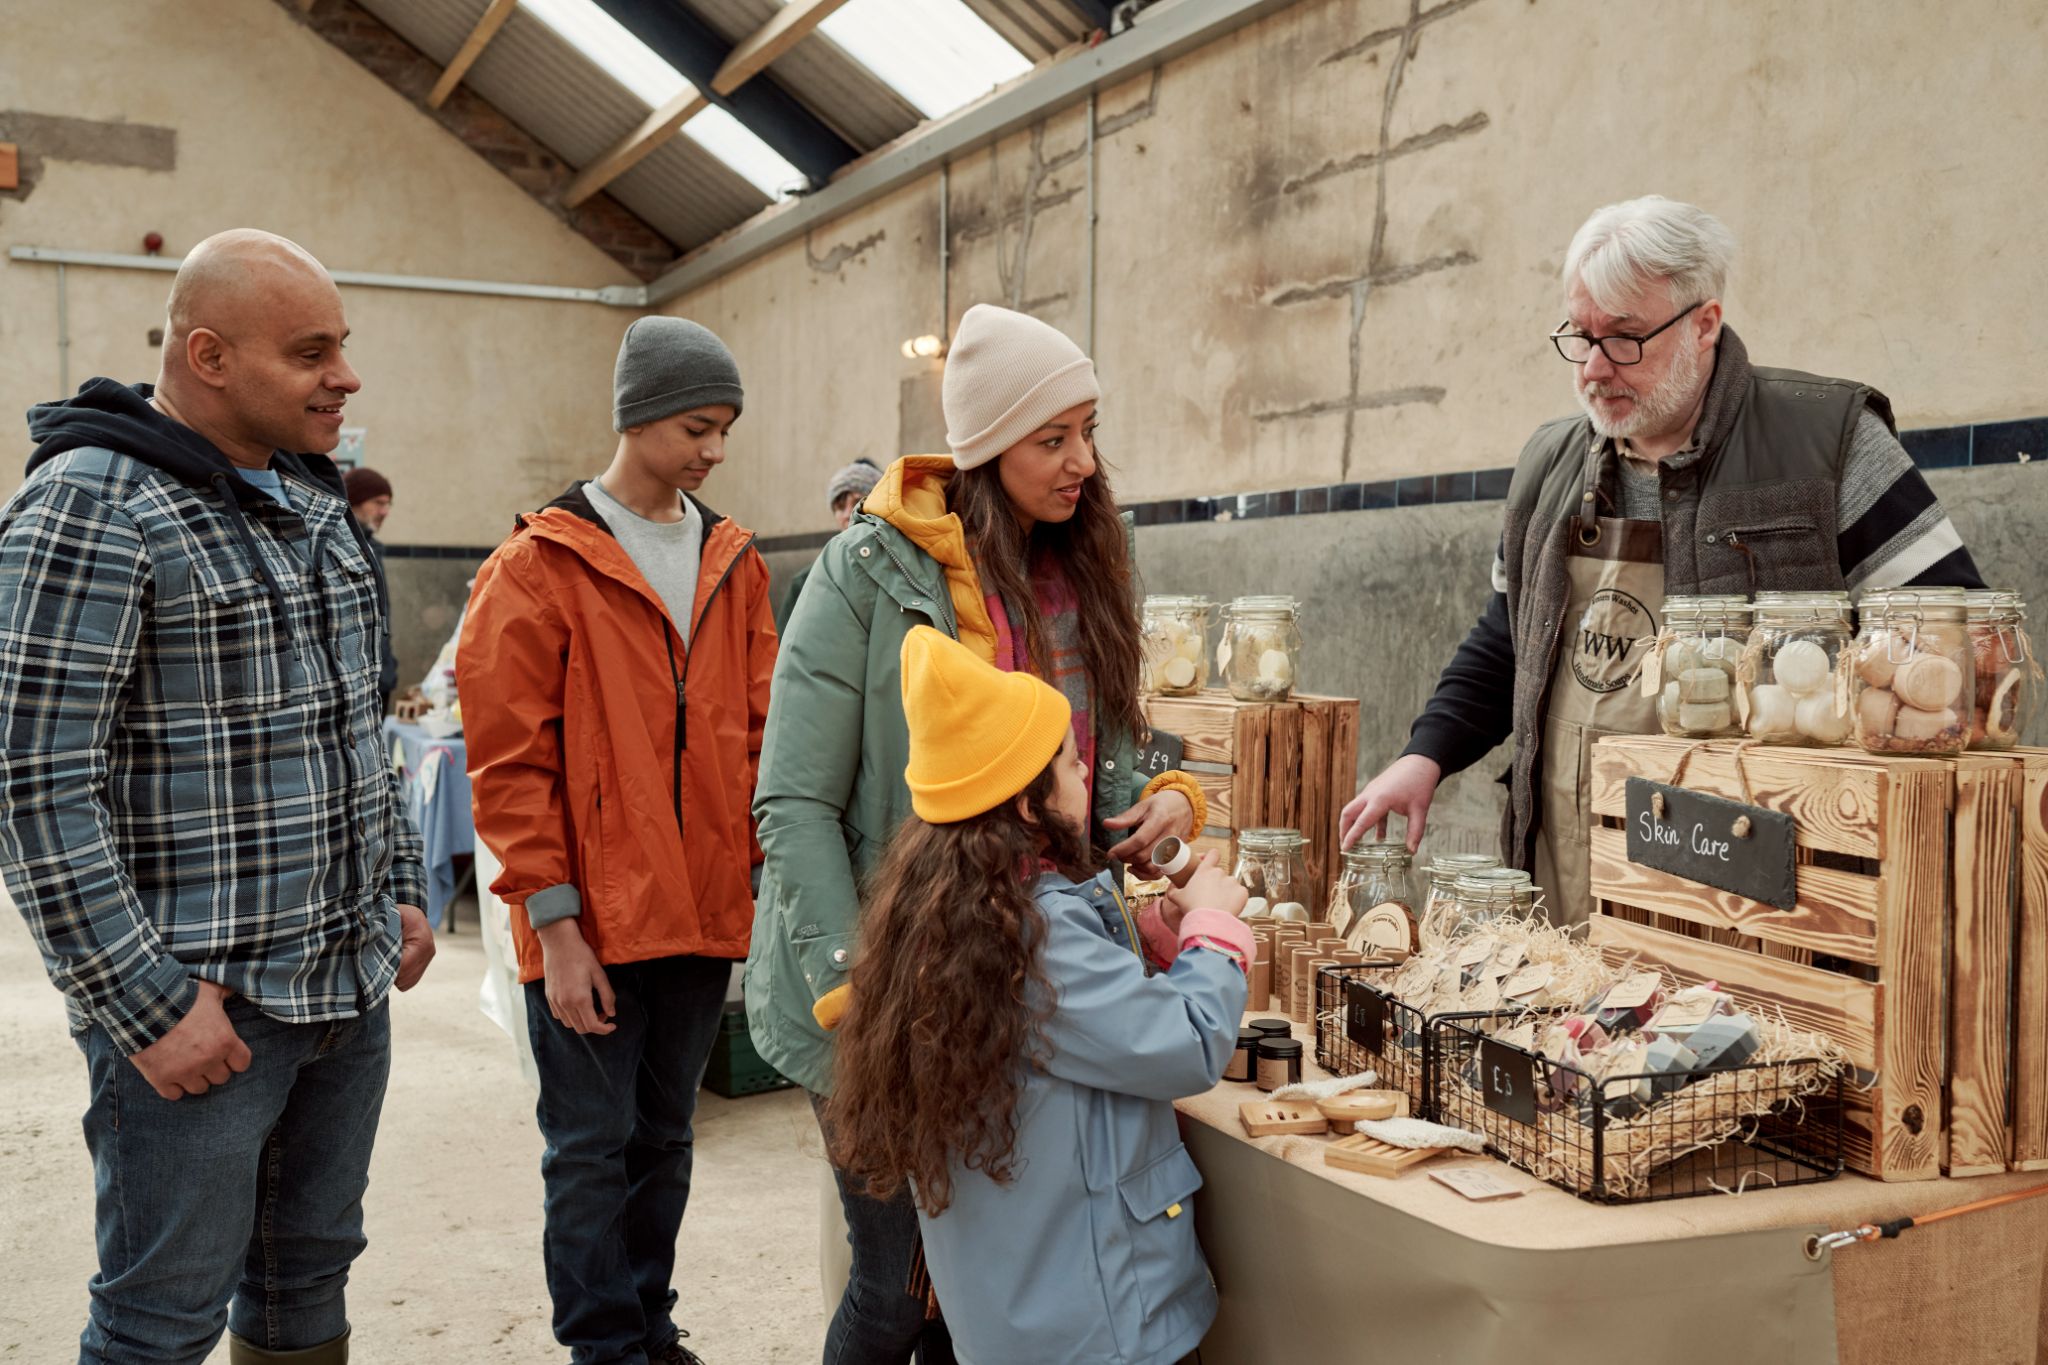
(1659, 410)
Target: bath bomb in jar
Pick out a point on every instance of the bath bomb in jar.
(1914, 723)
(1819, 721)
(1877, 712)
(1702, 717)
(1874, 662)
(1801, 667)
(1703, 685)
(1928, 682)
(1179, 672)
(1772, 711)
(1276, 668)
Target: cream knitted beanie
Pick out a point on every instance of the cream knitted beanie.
(1006, 376)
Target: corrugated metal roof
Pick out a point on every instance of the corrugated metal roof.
(573, 106)
(1036, 28)
(853, 101)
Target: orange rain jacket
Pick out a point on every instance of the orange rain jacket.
(610, 764)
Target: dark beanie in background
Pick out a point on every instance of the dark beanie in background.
(670, 365)
(364, 484)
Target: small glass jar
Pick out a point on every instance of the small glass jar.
(1261, 649)
(2008, 672)
(1176, 634)
(1372, 902)
(1915, 671)
(1444, 871)
(1785, 688)
(1272, 867)
(1490, 893)
(1697, 652)
(1279, 1063)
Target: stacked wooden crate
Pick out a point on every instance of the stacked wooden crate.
(1919, 942)
(1288, 764)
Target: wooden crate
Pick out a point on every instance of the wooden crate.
(1862, 956)
(1289, 764)
(2030, 956)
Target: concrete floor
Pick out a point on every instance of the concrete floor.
(453, 1271)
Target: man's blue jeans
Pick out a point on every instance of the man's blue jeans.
(615, 1109)
(238, 1208)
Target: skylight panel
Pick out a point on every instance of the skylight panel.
(732, 142)
(612, 46)
(937, 54)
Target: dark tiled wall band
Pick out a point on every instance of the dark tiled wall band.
(1986, 443)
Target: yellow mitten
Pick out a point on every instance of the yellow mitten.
(832, 1006)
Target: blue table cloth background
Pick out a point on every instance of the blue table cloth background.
(435, 775)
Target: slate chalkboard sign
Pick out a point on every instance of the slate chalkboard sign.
(1696, 838)
(1365, 1017)
(1159, 754)
(1507, 1078)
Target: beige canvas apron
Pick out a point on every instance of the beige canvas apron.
(1617, 602)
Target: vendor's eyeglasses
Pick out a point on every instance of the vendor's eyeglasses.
(1577, 347)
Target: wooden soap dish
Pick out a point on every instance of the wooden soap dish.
(1370, 1156)
(1270, 1118)
(1359, 1106)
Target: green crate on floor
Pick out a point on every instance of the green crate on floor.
(735, 1068)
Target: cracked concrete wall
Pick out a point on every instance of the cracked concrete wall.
(1327, 245)
(206, 114)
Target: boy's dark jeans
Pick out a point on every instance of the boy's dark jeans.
(878, 1321)
(615, 1109)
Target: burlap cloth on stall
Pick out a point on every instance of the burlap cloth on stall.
(1964, 1290)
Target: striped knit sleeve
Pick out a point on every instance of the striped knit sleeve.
(1894, 532)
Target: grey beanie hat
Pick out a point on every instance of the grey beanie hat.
(859, 477)
(670, 365)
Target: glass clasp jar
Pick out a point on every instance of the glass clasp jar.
(1176, 634)
(1914, 671)
(1260, 653)
(1372, 903)
(2008, 672)
(1786, 691)
(1486, 894)
(1438, 902)
(1691, 669)
(1272, 867)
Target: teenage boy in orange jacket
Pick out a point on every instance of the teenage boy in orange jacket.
(614, 674)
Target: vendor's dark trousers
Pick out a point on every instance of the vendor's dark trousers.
(615, 1109)
(879, 1322)
(238, 1208)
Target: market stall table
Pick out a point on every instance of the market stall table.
(1315, 1263)
(434, 772)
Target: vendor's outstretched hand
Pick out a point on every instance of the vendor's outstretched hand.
(1158, 815)
(1405, 788)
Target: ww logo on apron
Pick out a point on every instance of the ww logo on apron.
(1615, 632)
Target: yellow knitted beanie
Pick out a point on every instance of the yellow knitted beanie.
(978, 735)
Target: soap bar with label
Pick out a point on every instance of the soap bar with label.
(1725, 1040)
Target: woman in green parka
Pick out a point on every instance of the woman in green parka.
(1014, 546)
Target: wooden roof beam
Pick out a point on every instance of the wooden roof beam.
(471, 49)
(629, 151)
(790, 26)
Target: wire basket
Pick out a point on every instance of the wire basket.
(1729, 1130)
(1363, 1026)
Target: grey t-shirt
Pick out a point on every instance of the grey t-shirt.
(667, 553)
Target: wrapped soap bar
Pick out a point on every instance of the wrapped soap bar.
(1725, 1040)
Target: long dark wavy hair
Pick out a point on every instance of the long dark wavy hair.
(1090, 549)
(950, 1000)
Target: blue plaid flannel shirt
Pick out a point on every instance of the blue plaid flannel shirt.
(190, 786)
